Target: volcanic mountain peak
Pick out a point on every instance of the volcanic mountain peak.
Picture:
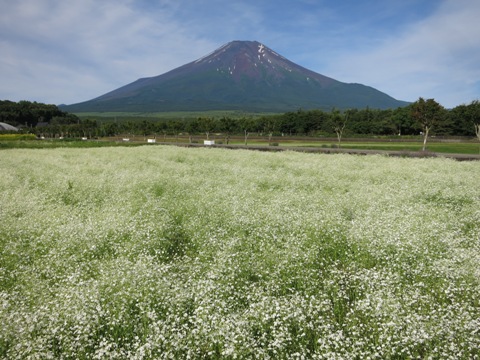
(252, 52)
(239, 75)
(256, 61)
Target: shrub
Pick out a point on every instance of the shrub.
(12, 137)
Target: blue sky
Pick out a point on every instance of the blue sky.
(68, 51)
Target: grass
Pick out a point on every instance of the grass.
(168, 115)
(452, 148)
(53, 144)
(17, 137)
(465, 147)
(156, 252)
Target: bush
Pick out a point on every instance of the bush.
(14, 137)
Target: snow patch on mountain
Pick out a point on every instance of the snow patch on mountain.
(221, 49)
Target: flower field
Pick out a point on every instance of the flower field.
(160, 252)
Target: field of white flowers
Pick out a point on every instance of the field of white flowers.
(171, 253)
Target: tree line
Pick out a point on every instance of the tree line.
(29, 114)
(425, 117)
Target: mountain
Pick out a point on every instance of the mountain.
(240, 75)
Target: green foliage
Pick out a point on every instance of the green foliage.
(428, 113)
(372, 122)
(50, 144)
(30, 113)
(366, 121)
(17, 137)
(207, 125)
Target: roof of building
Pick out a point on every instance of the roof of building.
(8, 127)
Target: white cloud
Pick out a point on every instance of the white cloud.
(69, 51)
(434, 58)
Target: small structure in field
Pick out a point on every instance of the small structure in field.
(7, 127)
(208, 142)
(151, 141)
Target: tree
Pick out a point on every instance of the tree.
(247, 125)
(207, 125)
(473, 111)
(339, 121)
(109, 129)
(402, 121)
(146, 126)
(227, 125)
(427, 113)
(288, 123)
(174, 127)
(269, 126)
(477, 132)
(192, 127)
(460, 118)
(28, 113)
(315, 120)
(88, 127)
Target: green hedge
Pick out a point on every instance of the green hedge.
(17, 137)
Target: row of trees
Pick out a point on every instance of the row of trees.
(30, 114)
(401, 121)
(425, 117)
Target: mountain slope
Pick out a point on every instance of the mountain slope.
(240, 75)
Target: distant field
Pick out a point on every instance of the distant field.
(452, 147)
(174, 115)
(163, 252)
(469, 147)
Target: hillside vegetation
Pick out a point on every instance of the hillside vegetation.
(164, 252)
(463, 120)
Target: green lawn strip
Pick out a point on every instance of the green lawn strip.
(469, 148)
